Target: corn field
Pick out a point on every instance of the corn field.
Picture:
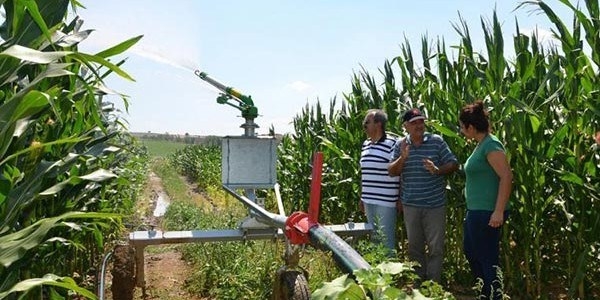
(68, 169)
(199, 164)
(545, 107)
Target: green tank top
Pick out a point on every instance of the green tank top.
(481, 188)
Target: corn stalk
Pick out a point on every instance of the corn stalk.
(62, 151)
(545, 107)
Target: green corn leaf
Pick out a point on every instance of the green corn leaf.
(535, 123)
(14, 245)
(120, 48)
(87, 59)
(70, 40)
(66, 283)
(96, 176)
(572, 177)
(34, 56)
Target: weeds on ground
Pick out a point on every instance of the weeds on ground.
(381, 282)
(498, 292)
(236, 270)
(390, 279)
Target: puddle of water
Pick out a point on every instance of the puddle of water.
(162, 202)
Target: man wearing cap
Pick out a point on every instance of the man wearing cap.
(422, 160)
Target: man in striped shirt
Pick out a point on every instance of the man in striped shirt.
(422, 160)
(379, 191)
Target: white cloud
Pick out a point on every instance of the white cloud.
(299, 86)
(544, 36)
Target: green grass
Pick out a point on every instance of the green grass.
(229, 270)
(174, 185)
(161, 148)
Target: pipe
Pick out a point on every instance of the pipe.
(346, 257)
(279, 201)
(264, 215)
(103, 275)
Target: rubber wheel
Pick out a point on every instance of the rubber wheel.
(294, 286)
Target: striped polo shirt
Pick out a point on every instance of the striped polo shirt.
(377, 187)
(419, 187)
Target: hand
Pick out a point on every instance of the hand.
(404, 149)
(496, 219)
(430, 166)
(361, 206)
(399, 206)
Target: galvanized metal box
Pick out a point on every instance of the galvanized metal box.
(249, 162)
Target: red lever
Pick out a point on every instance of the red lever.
(315, 189)
(298, 223)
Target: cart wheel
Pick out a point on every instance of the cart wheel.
(123, 273)
(294, 286)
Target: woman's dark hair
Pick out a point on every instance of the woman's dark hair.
(476, 115)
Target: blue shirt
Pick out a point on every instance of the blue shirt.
(419, 187)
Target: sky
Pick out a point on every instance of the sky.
(284, 54)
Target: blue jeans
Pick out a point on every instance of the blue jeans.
(481, 244)
(426, 232)
(384, 221)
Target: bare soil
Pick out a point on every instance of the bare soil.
(165, 276)
(165, 270)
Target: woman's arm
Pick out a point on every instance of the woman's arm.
(499, 163)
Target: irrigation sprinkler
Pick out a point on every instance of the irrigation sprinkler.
(234, 98)
(249, 163)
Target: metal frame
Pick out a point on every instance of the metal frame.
(275, 222)
(141, 239)
(248, 163)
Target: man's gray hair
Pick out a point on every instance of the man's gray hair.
(379, 116)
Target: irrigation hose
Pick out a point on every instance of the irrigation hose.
(103, 275)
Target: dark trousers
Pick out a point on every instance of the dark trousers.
(482, 246)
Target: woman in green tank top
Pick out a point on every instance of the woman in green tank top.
(487, 191)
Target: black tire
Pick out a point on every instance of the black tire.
(294, 286)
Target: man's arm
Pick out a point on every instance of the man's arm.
(400, 155)
(447, 168)
(451, 164)
(396, 166)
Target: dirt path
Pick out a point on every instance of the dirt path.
(165, 270)
(165, 275)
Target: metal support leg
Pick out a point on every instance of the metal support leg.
(140, 280)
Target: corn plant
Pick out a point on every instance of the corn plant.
(63, 164)
(544, 106)
(200, 164)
